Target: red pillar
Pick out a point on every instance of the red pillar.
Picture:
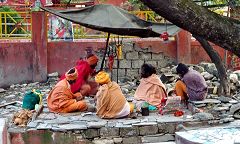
(39, 40)
(184, 47)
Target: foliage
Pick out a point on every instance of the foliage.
(15, 16)
(218, 3)
(137, 4)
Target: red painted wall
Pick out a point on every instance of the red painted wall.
(32, 61)
(198, 54)
(156, 45)
(63, 55)
(16, 63)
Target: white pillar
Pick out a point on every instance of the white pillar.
(3, 131)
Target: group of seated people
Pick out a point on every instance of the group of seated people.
(69, 93)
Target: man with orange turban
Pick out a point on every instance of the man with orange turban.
(61, 99)
(111, 102)
(85, 68)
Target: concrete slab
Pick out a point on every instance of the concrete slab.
(208, 136)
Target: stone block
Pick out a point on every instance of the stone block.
(234, 108)
(153, 63)
(109, 132)
(206, 101)
(132, 121)
(91, 133)
(203, 116)
(148, 130)
(117, 140)
(127, 47)
(103, 141)
(131, 140)
(129, 131)
(137, 63)
(125, 64)
(32, 124)
(145, 56)
(97, 124)
(133, 73)
(163, 63)
(121, 73)
(157, 138)
(157, 56)
(44, 126)
(132, 56)
(167, 128)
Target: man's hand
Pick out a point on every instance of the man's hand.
(80, 98)
(77, 94)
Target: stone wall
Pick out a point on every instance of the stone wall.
(132, 59)
(146, 130)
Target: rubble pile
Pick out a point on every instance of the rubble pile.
(218, 107)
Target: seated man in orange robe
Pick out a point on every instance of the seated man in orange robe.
(85, 69)
(151, 89)
(111, 103)
(61, 99)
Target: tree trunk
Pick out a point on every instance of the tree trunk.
(216, 59)
(222, 31)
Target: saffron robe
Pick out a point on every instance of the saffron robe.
(110, 100)
(61, 99)
(151, 90)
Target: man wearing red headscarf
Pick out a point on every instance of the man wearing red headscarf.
(85, 69)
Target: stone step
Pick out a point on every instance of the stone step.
(163, 143)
